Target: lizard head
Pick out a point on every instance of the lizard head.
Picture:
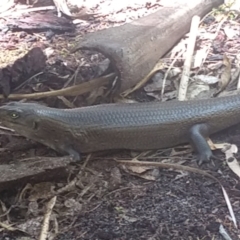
(21, 117)
(36, 122)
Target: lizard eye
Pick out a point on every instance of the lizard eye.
(14, 115)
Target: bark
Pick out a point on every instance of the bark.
(41, 22)
(38, 169)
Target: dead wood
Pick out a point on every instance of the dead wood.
(41, 22)
(37, 169)
(135, 48)
(15, 73)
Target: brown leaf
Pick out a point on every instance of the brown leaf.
(226, 75)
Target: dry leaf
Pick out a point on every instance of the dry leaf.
(116, 176)
(214, 66)
(224, 233)
(98, 92)
(174, 72)
(226, 75)
(206, 79)
(229, 206)
(41, 191)
(195, 89)
(220, 146)
(200, 57)
(230, 33)
(32, 226)
(147, 176)
(139, 169)
(231, 160)
(33, 208)
(234, 166)
(73, 205)
(159, 66)
(102, 67)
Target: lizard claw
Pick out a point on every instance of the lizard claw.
(205, 157)
(74, 155)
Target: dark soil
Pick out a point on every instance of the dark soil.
(164, 209)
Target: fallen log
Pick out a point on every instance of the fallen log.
(40, 22)
(37, 169)
(134, 48)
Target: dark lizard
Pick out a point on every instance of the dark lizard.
(136, 126)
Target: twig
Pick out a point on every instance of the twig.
(75, 90)
(168, 165)
(45, 226)
(187, 64)
(159, 65)
(166, 74)
(7, 227)
(73, 76)
(72, 184)
(16, 12)
(27, 81)
(62, 6)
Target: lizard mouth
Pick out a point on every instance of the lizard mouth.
(6, 128)
(11, 124)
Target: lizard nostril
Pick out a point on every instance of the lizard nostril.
(35, 125)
